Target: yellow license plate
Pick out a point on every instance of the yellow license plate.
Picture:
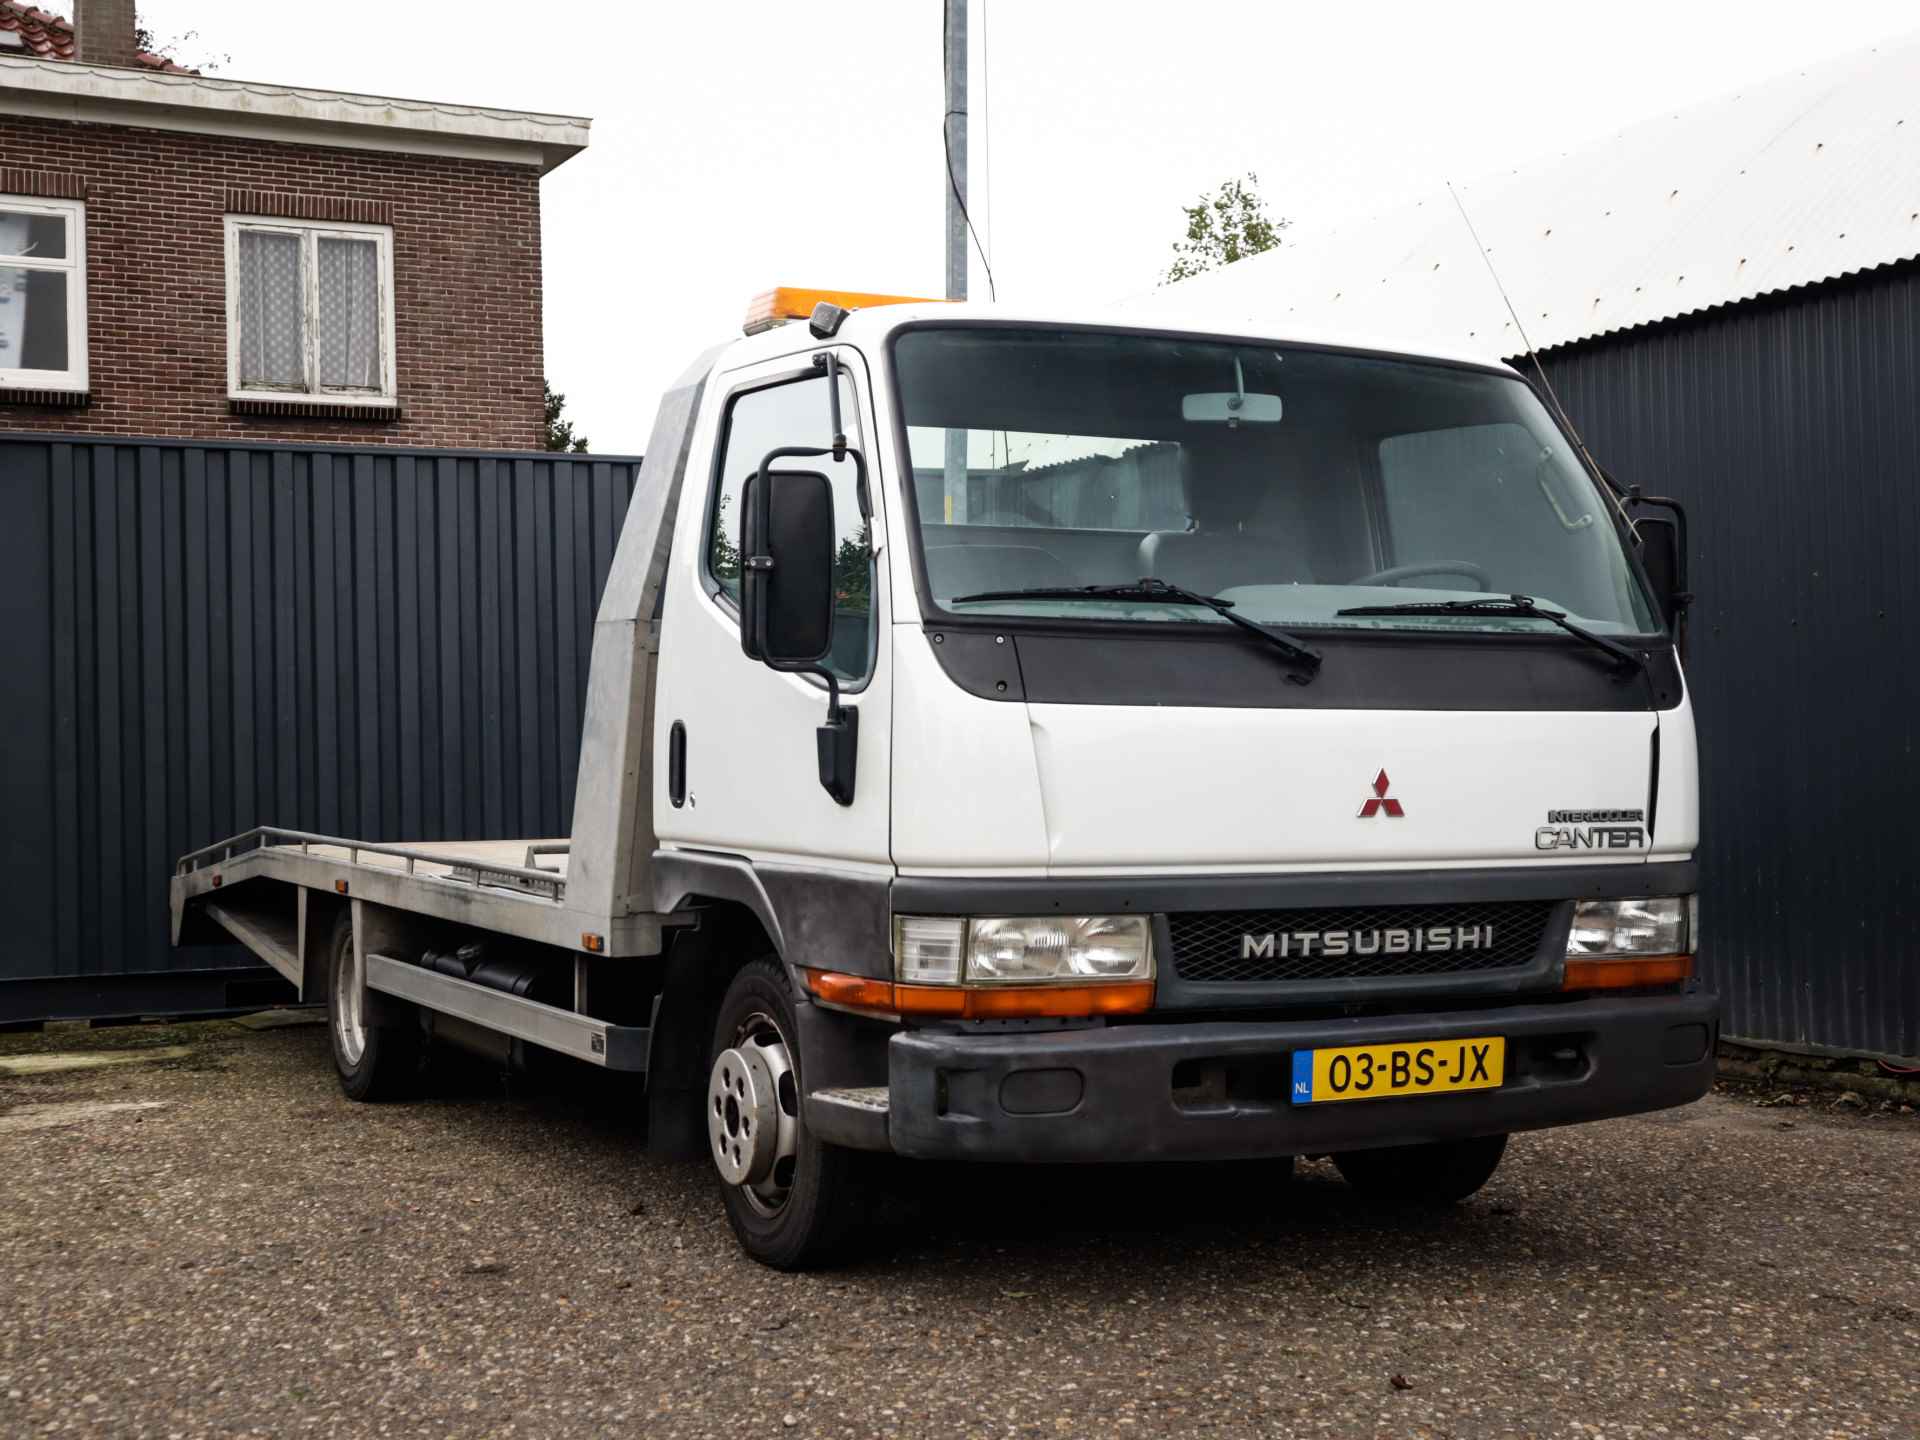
(1380, 1072)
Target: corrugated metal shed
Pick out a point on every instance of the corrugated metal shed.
(1790, 428)
(1806, 177)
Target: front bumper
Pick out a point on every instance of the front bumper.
(1216, 1090)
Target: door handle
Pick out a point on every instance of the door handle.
(677, 764)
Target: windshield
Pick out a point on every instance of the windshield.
(1295, 483)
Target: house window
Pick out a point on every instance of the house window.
(309, 311)
(43, 294)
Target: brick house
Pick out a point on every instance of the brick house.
(192, 257)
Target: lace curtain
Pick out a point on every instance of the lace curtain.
(272, 342)
(349, 312)
(273, 317)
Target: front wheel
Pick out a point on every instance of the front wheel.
(790, 1199)
(1440, 1174)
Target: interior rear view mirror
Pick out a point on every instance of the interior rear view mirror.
(786, 567)
(1227, 407)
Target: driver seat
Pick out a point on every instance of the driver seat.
(1227, 542)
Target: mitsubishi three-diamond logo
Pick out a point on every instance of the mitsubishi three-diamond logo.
(1380, 801)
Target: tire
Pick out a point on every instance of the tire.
(374, 1062)
(796, 1213)
(1434, 1175)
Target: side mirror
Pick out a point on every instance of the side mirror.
(1660, 558)
(1663, 557)
(786, 568)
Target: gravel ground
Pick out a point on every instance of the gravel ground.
(254, 1255)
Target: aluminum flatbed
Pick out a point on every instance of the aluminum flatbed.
(503, 887)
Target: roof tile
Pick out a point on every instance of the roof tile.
(50, 37)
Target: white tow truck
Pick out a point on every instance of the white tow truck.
(1017, 738)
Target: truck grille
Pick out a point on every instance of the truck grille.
(1226, 946)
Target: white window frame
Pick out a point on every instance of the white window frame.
(74, 377)
(310, 233)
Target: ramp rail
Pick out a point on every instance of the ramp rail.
(461, 869)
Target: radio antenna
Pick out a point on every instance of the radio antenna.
(1560, 410)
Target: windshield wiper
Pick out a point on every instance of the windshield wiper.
(1161, 592)
(1516, 605)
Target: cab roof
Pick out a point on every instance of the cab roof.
(869, 327)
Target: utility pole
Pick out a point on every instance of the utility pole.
(955, 117)
(953, 123)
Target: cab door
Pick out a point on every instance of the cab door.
(735, 764)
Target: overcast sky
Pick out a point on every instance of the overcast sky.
(749, 143)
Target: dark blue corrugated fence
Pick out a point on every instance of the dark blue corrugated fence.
(201, 638)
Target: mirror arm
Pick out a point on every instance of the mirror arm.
(830, 362)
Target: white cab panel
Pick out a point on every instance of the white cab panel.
(965, 795)
(1145, 788)
(1676, 818)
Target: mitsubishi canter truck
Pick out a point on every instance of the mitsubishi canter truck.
(1017, 738)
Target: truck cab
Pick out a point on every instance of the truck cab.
(1259, 747)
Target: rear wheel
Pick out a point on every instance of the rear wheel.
(790, 1199)
(1440, 1174)
(374, 1062)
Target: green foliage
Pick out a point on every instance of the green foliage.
(560, 434)
(1226, 226)
(853, 573)
(725, 556)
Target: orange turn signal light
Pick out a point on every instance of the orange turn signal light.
(790, 302)
(984, 1002)
(1627, 974)
(856, 992)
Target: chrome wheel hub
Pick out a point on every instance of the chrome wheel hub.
(753, 1113)
(349, 1006)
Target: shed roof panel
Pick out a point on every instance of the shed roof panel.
(1803, 178)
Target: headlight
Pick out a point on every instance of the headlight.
(1025, 951)
(1081, 947)
(1603, 928)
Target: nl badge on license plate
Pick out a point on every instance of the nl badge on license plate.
(1379, 1072)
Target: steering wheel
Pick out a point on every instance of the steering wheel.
(1432, 567)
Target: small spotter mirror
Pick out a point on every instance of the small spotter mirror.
(1231, 408)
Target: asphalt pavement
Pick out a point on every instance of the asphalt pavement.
(209, 1239)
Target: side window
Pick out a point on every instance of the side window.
(43, 294)
(796, 413)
